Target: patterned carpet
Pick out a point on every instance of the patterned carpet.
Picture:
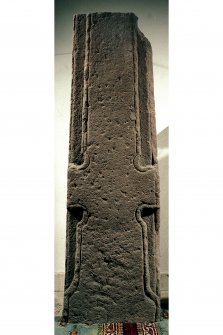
(120, 328)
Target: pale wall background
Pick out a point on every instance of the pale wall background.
(153, 22)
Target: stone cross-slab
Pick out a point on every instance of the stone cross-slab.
(112, 243)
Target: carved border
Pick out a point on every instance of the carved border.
(146, 277)
(77, 262)
(137, 161)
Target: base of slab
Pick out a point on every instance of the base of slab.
(120, 328)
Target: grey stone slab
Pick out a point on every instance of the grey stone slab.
(112, 243)
(59, 290)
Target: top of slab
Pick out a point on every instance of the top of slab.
(109, 14)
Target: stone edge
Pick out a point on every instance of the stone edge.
(59, 289)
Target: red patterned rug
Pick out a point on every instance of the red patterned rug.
(121, 328)
(128, 329)
(118, 328)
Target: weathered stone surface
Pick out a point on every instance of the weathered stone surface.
(112, 252)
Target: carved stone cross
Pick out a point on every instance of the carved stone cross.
(112, 253)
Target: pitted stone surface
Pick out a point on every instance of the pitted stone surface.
(112, 252)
